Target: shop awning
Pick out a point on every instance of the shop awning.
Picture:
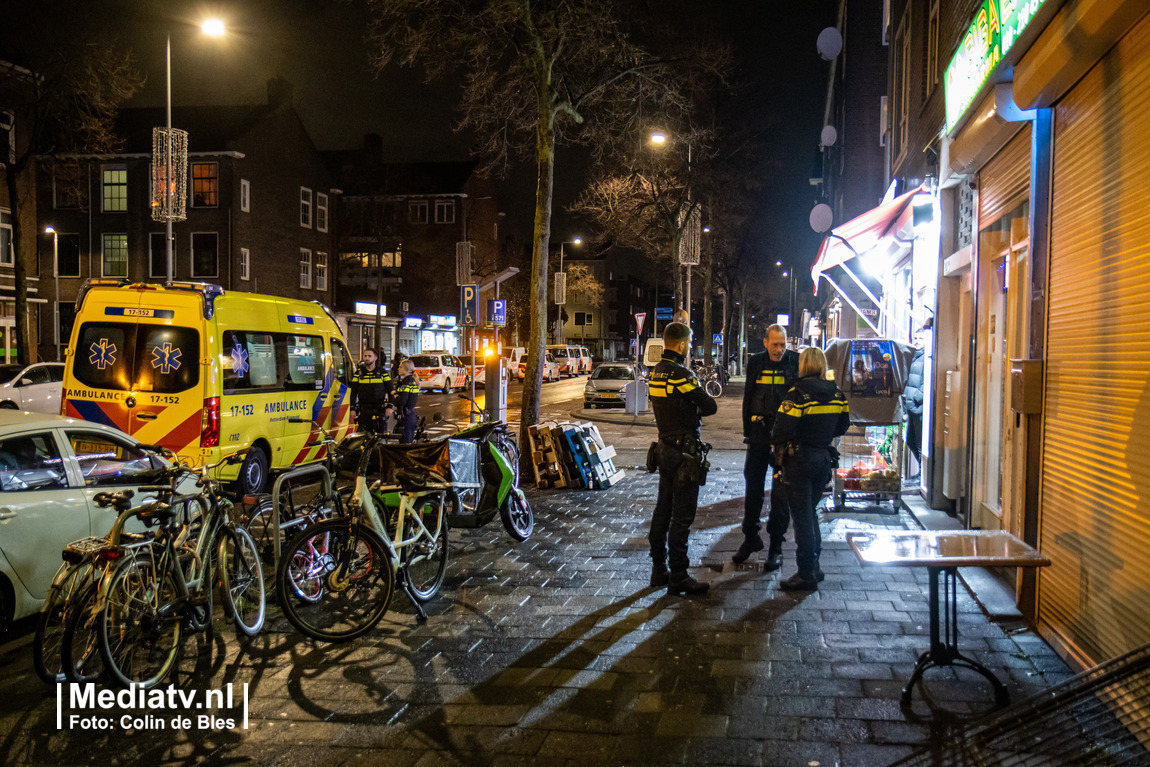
(860, 234)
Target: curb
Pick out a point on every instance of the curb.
(648, 418)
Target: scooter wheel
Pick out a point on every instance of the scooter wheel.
(517, 516)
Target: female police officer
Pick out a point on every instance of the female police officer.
(812, 414)
(406, 394)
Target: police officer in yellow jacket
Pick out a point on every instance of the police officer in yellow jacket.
(679, 403)
(371, 392)
(406, 394)
(813, 413)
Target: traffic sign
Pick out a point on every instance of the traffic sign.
(664, 313)
(497, 312)
(468, 305)
(717, 338)
(639, 319)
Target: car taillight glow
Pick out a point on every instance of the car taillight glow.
(210, 423)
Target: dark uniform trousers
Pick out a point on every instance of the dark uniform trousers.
(759, 462)
(807, 473)
(674, 511)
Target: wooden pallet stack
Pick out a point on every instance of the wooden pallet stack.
(572, 455)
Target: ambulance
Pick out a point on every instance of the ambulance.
(205, 372)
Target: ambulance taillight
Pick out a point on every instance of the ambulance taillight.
(210, 423)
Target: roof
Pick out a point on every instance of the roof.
(27, 418)
(357, 175)
(210, 129)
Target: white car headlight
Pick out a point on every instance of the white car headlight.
(589, 389)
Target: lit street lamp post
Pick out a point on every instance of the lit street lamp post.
(561, 289)
(56, 277)
(688, 254)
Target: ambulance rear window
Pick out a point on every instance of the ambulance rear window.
(123, 356)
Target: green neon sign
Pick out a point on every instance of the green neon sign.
(991, 35)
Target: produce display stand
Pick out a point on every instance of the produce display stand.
(869, 457)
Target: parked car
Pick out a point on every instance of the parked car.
(514, 354)
(440, 370)
(550, 368)
(585, 362)
(605, 386)
(35, 387)
(567, 357)
(51, 467)
(475, 369)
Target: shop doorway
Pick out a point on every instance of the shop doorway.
(998, 455)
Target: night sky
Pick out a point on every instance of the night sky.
(318, 46)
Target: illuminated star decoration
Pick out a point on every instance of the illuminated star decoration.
(165, 358)
(103, 354)
(239, 360)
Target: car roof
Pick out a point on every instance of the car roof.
(13, 420)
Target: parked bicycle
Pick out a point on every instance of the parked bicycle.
(712, 379)
(145, 604)
(336, 578)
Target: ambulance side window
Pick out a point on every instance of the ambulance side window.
(342, 362)
(250, 361)
(304, 361)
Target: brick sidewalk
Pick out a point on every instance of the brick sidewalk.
(554, 651)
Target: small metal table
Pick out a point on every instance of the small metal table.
(942, 553)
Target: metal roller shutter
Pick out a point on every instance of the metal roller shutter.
(1095, 507)
(1005, 180)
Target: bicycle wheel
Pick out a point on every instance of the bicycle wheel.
(140, 625)
(80, 657)
(713, 388)
(258, 521)
(242, 580)
(53, 620)
(335, 580)
(425, 559)
(516, 514)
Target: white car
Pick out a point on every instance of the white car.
(477, 370)
(51, 468)
(550, 368)
(440, 370)
(35, 387)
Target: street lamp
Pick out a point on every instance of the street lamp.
(172, 185)
(689, 256)
(56, 276)
(561, 288)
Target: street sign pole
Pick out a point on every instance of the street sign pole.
(469, 314)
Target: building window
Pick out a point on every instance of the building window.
(932, 48)
(305, 207)
(158, 255)
(445, 211)
(304, 268)
(245, 264)
(902, 85)
(205, 254)
(68, 255)
(115, 184)
(417, 212)
(245, 195)
(68, 186)
(205, 185)
(115, 258)
(321, 211)
(65, 319)
(6, 258)
(321, 271)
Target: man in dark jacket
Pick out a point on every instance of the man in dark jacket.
(813, 413)
(371, 390)
(770, 375)
(679, 403)
(912, 399)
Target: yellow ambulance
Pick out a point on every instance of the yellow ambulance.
(205, 372)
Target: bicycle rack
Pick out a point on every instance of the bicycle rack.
(290, 476)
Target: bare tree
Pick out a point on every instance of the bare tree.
(534, 74)
(66, 105)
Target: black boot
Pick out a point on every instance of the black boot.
(660, 575)
(774, 560)
(749, 547)
(799, 582)
(683, 583)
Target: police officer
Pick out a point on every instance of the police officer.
(813, 413)
(371, 391)
(678, 402)
(406, 394)
(770, 375)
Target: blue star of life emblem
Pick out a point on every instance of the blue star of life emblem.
(239, 360)
(103, 354)
(165, 358)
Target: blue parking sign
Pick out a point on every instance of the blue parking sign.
(497, 312)
(468, 305)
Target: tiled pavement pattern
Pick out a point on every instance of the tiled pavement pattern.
(554, 651)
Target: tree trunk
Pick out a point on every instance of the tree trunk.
(537, 336)
(23, 327)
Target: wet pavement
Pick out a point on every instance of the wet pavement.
(555, 651)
